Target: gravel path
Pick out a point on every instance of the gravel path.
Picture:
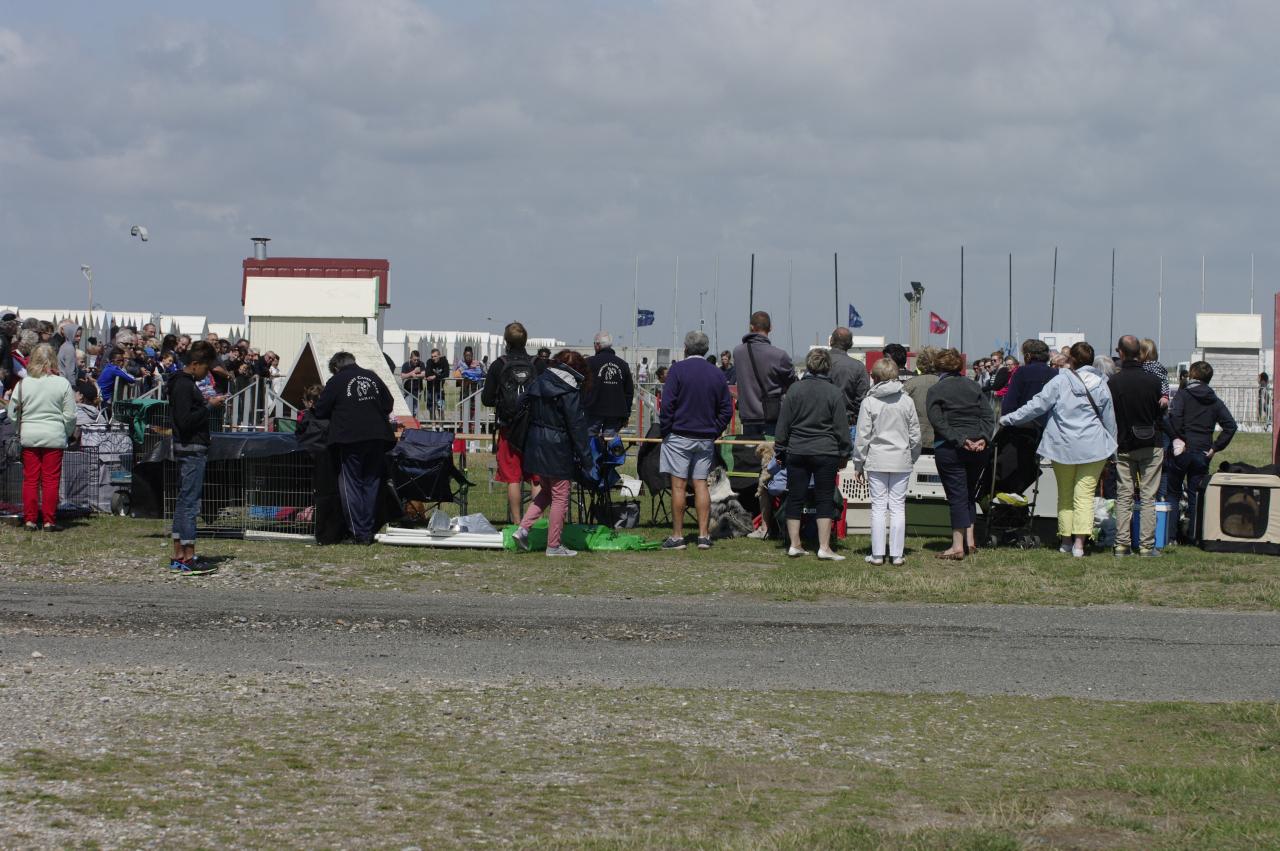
(1103, 653)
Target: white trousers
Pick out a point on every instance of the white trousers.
(888, 494)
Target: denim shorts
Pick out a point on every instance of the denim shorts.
(687, 457)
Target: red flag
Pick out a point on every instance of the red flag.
(937, 325)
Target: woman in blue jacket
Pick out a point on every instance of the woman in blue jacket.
(556, 449)
(1079, 437)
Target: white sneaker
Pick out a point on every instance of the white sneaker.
(521, 537)
(561, 552)
(827, 555)
(874, 560)
(792, 552)
(898, 561)
(1077, 552)
(758, 534)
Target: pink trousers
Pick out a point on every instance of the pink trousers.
(554, 492)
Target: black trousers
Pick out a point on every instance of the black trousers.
(330, 521)
(1188, 471)
(961, 472)
(823, 468)
(364, 469)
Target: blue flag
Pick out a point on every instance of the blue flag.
(855, 318)
(643, 317)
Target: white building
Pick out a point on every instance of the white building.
(398, 343)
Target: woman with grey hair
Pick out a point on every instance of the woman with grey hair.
(813, 437)
(917, 389)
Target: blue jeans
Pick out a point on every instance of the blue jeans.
(190, 485)
(1188, 469)
(960, 471)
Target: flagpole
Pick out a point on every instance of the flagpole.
(1251, 282)
(962, 298)
(715, 310)
(675, 321)
(1160, 309)
(835, 266)
(791, 327)
(1111, 330)
(1011, 300)
(751, 292)
(899, 335)
(1053, 291)
(1202, 283)
(635, 308)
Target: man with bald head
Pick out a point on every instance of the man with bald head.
(1135, 393)
(848, 374)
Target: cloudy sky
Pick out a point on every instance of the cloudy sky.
(512, 160)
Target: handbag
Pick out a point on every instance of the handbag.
(770, 405)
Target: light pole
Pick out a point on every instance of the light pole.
(87, 271)
(701, 321)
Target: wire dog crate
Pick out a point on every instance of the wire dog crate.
(97, 474)
(250, 490)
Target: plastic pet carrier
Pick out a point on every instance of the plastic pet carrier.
(1240, 513)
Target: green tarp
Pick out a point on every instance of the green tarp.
(579, 537)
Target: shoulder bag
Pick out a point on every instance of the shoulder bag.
(1089, 396)
(13, 446)
(770, 405)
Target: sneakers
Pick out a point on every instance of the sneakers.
(31, 527)
(875, 561)
(561, 552)
(1121, 551)
(51, 527)
(195, 567)
(521, 537)
(897, 561)
(758, 534)
(828, 555)
(704, 543)
(1077, 552)
(673, 543)
(1151, 553)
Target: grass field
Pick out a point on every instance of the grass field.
(285, 763)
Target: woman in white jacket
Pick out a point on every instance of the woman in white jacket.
(886, 449)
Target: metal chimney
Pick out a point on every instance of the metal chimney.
(260, 247)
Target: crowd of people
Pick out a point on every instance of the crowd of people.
(1103, 423)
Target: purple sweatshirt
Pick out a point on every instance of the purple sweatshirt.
(695, 400)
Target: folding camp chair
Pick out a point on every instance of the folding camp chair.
(422, 469)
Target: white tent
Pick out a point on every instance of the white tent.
(231, 331)
(312, 366)
(194, 327)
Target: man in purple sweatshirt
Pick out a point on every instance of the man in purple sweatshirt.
(696, 409)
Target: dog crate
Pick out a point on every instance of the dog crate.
(255, 486)
(1240, 513)
(97, 473)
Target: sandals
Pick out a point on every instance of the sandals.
(945, 556)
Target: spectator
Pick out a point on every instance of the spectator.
(313, 437)
(897, 353)
(469, 371)
(1079, 437)
(612, 390)
(1004, 375)
(1264, 396)
(660, 378)
(642, 371)
(556, 449)
(885, 451)
(43, 408)
(813, 432)
(1151, 363)
(917, 389)
(727, 367)
(765, 374)
(412, 374)
(67, 366)
(358, 406)
(181, 349)
(87, 411)
(114, 371)
(189, 411)
(848, 374)
(1193, 415)
(697, 411)
(1136, 395)
(542, 359)
(1029, 379)
(963, 423)
(509, 379)
(437, 373)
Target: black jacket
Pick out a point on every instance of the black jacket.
(612, 389)
(439, 367)
(357, 404)
(557, 443)
(1135, 393)
(189, 410)
(313, 433)
(814, 419)
(959, 410)
(1193, 414)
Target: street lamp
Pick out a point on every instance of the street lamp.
(701, 322)
(87, 271)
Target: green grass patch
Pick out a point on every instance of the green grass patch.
(601, 768)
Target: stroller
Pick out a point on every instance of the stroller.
(1014, 470)
(423, 472)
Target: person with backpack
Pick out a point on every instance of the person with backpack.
(510, 378)
(556, 447)
(1140, 448)
(1194, 414)
(612, 389)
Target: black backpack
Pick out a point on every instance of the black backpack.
(517, 376)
